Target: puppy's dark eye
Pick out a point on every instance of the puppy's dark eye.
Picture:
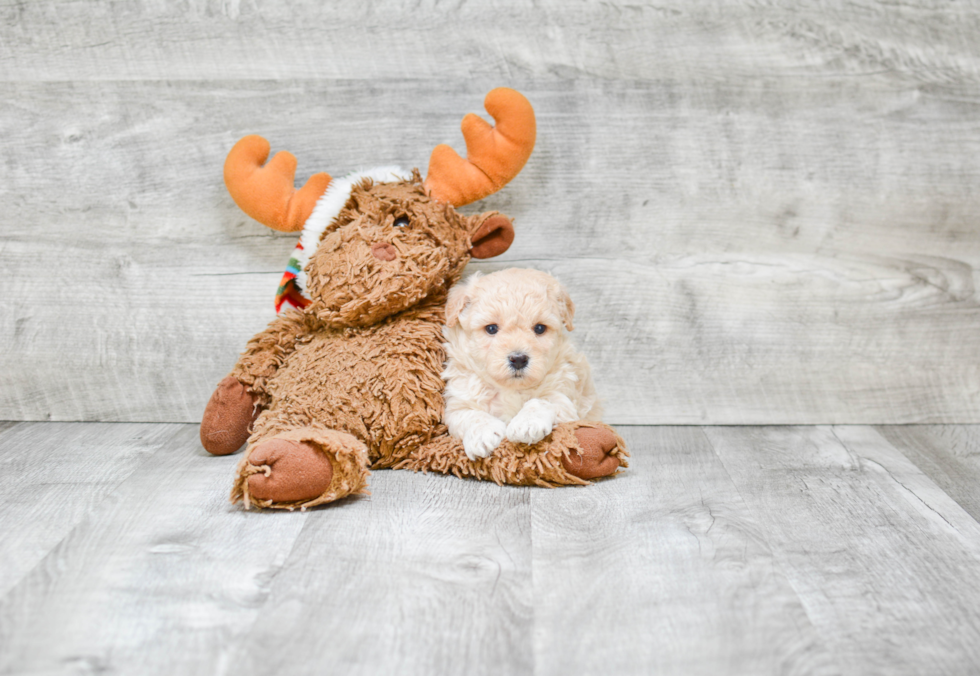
(490, 328)
(540, 328)
(401, 222)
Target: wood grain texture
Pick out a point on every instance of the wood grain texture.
(807, 550)
(431, 39)
(947, 454)
(431, 575)
(765, 212)
(884, 562)
(664, 570)
(54, 475)
(827, 291)
(161, 577)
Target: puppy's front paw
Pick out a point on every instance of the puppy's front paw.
(481, 441)
(532, 424)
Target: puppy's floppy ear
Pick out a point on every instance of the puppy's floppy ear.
(493, 235)
(566, 308)
(459, 298)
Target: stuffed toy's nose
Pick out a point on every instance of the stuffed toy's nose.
(383, 251)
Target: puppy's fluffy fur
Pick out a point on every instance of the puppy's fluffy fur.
(512, 371)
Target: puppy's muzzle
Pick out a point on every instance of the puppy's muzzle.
(518, 361)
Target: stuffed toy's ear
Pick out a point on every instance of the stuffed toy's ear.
(564, 302)
(459, 298)
(493, 237)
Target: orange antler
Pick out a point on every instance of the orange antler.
(267, 193)
(495, 155)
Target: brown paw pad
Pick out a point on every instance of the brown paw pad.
(296, 471)
(594, 460)
(227, 417)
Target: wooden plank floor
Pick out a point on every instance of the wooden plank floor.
(723, 550)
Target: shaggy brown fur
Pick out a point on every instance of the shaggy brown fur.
(545, 463)
(356, 376)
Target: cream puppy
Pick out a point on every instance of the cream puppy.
(512, 371)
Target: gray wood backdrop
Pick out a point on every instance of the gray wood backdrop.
(766, 212)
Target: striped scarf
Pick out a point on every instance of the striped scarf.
(289, 290)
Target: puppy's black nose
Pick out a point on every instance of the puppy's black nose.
(518, 361)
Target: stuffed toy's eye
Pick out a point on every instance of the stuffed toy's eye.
(401, 222)
(540, 328)
(490, 328)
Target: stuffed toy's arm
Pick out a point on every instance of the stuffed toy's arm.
(241, 395)
(267, 351)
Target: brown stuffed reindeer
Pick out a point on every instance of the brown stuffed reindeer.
(349, 378)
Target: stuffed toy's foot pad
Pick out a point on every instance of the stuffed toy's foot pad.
(227, 417)
(594, 461)
(291, 471)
